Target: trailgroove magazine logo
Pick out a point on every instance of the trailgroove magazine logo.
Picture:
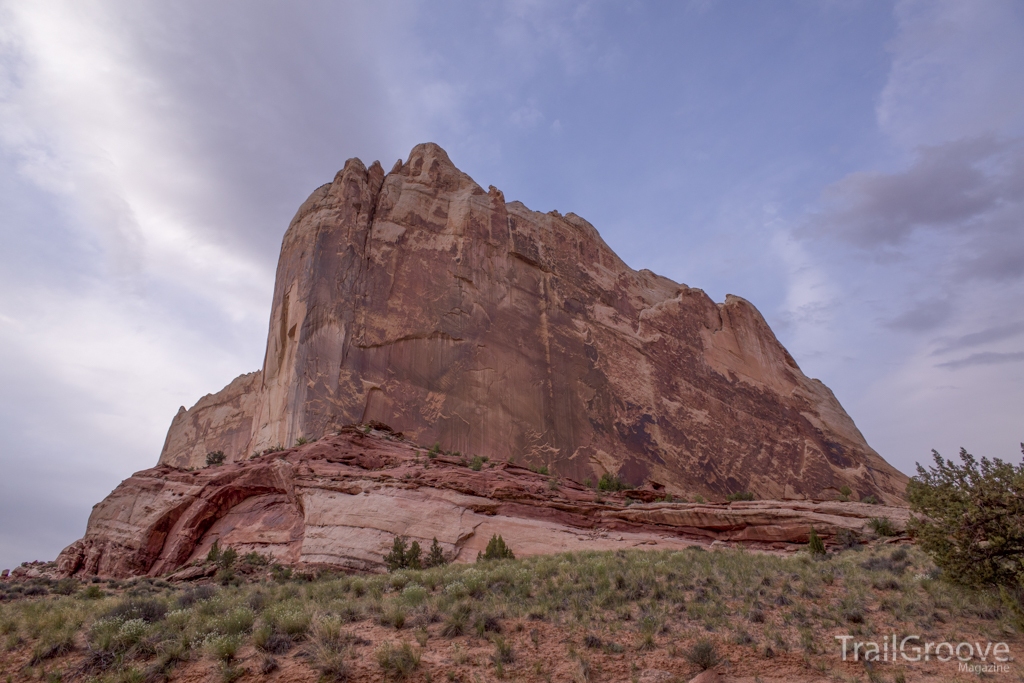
(976, 657)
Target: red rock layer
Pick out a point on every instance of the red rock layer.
(341, 501)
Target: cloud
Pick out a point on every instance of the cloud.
(151, 157)
(986, 336)
(923, 317)
(973, 186)
(984, 358)
(956, 72)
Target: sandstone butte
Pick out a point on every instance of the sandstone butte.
(416, 299)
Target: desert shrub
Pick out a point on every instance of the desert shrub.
(328, 650)
(92, 593)
(703, 655)
(53, 645)
(397, 660)
(971, 518)
(896, 563)
(456, 623)
(741, 495)
(496, 550)
(148, 610)
(845, 492)
(265, 638)
(268, 664)
(236, 622)
(393, 616)
(196, 594)
(476, 464)
(870, 500)
(487, 623)
(67, 586)
(288, 618)
(610, 482)
(503, 653)
(815, 545)
(254, 559)
(883, 526)
(214, 458)
(223, 648)
(847, 539)
(854, 615)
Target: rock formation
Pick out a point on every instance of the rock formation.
(341, 501)
(420, 300)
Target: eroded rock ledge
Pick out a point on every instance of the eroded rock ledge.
(341, 501)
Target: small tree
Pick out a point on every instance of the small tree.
(971, 518)
(435, 557)
(496, 550)
(404, 555)
(214, 554)
(396, 558)
(227, 558)
(815, 544)
(412, 556)
(215, 458)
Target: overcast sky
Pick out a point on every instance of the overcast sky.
(854, 169)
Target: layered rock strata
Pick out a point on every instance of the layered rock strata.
(341, 501)
(419, 299)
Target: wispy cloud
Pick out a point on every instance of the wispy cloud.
(986, 336)
(984, 358)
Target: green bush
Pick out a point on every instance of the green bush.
(610, 482)
(883, 526)
(398, 661)
(741, 495)
(496, 550)
(703, 655)
(476, 464)
(971, 518)
(815, 544)
(215, 458)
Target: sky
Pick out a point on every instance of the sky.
(855, 169)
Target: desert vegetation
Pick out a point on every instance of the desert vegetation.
(972, 519)
(583, 616)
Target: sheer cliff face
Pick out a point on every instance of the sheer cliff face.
(418, 299)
